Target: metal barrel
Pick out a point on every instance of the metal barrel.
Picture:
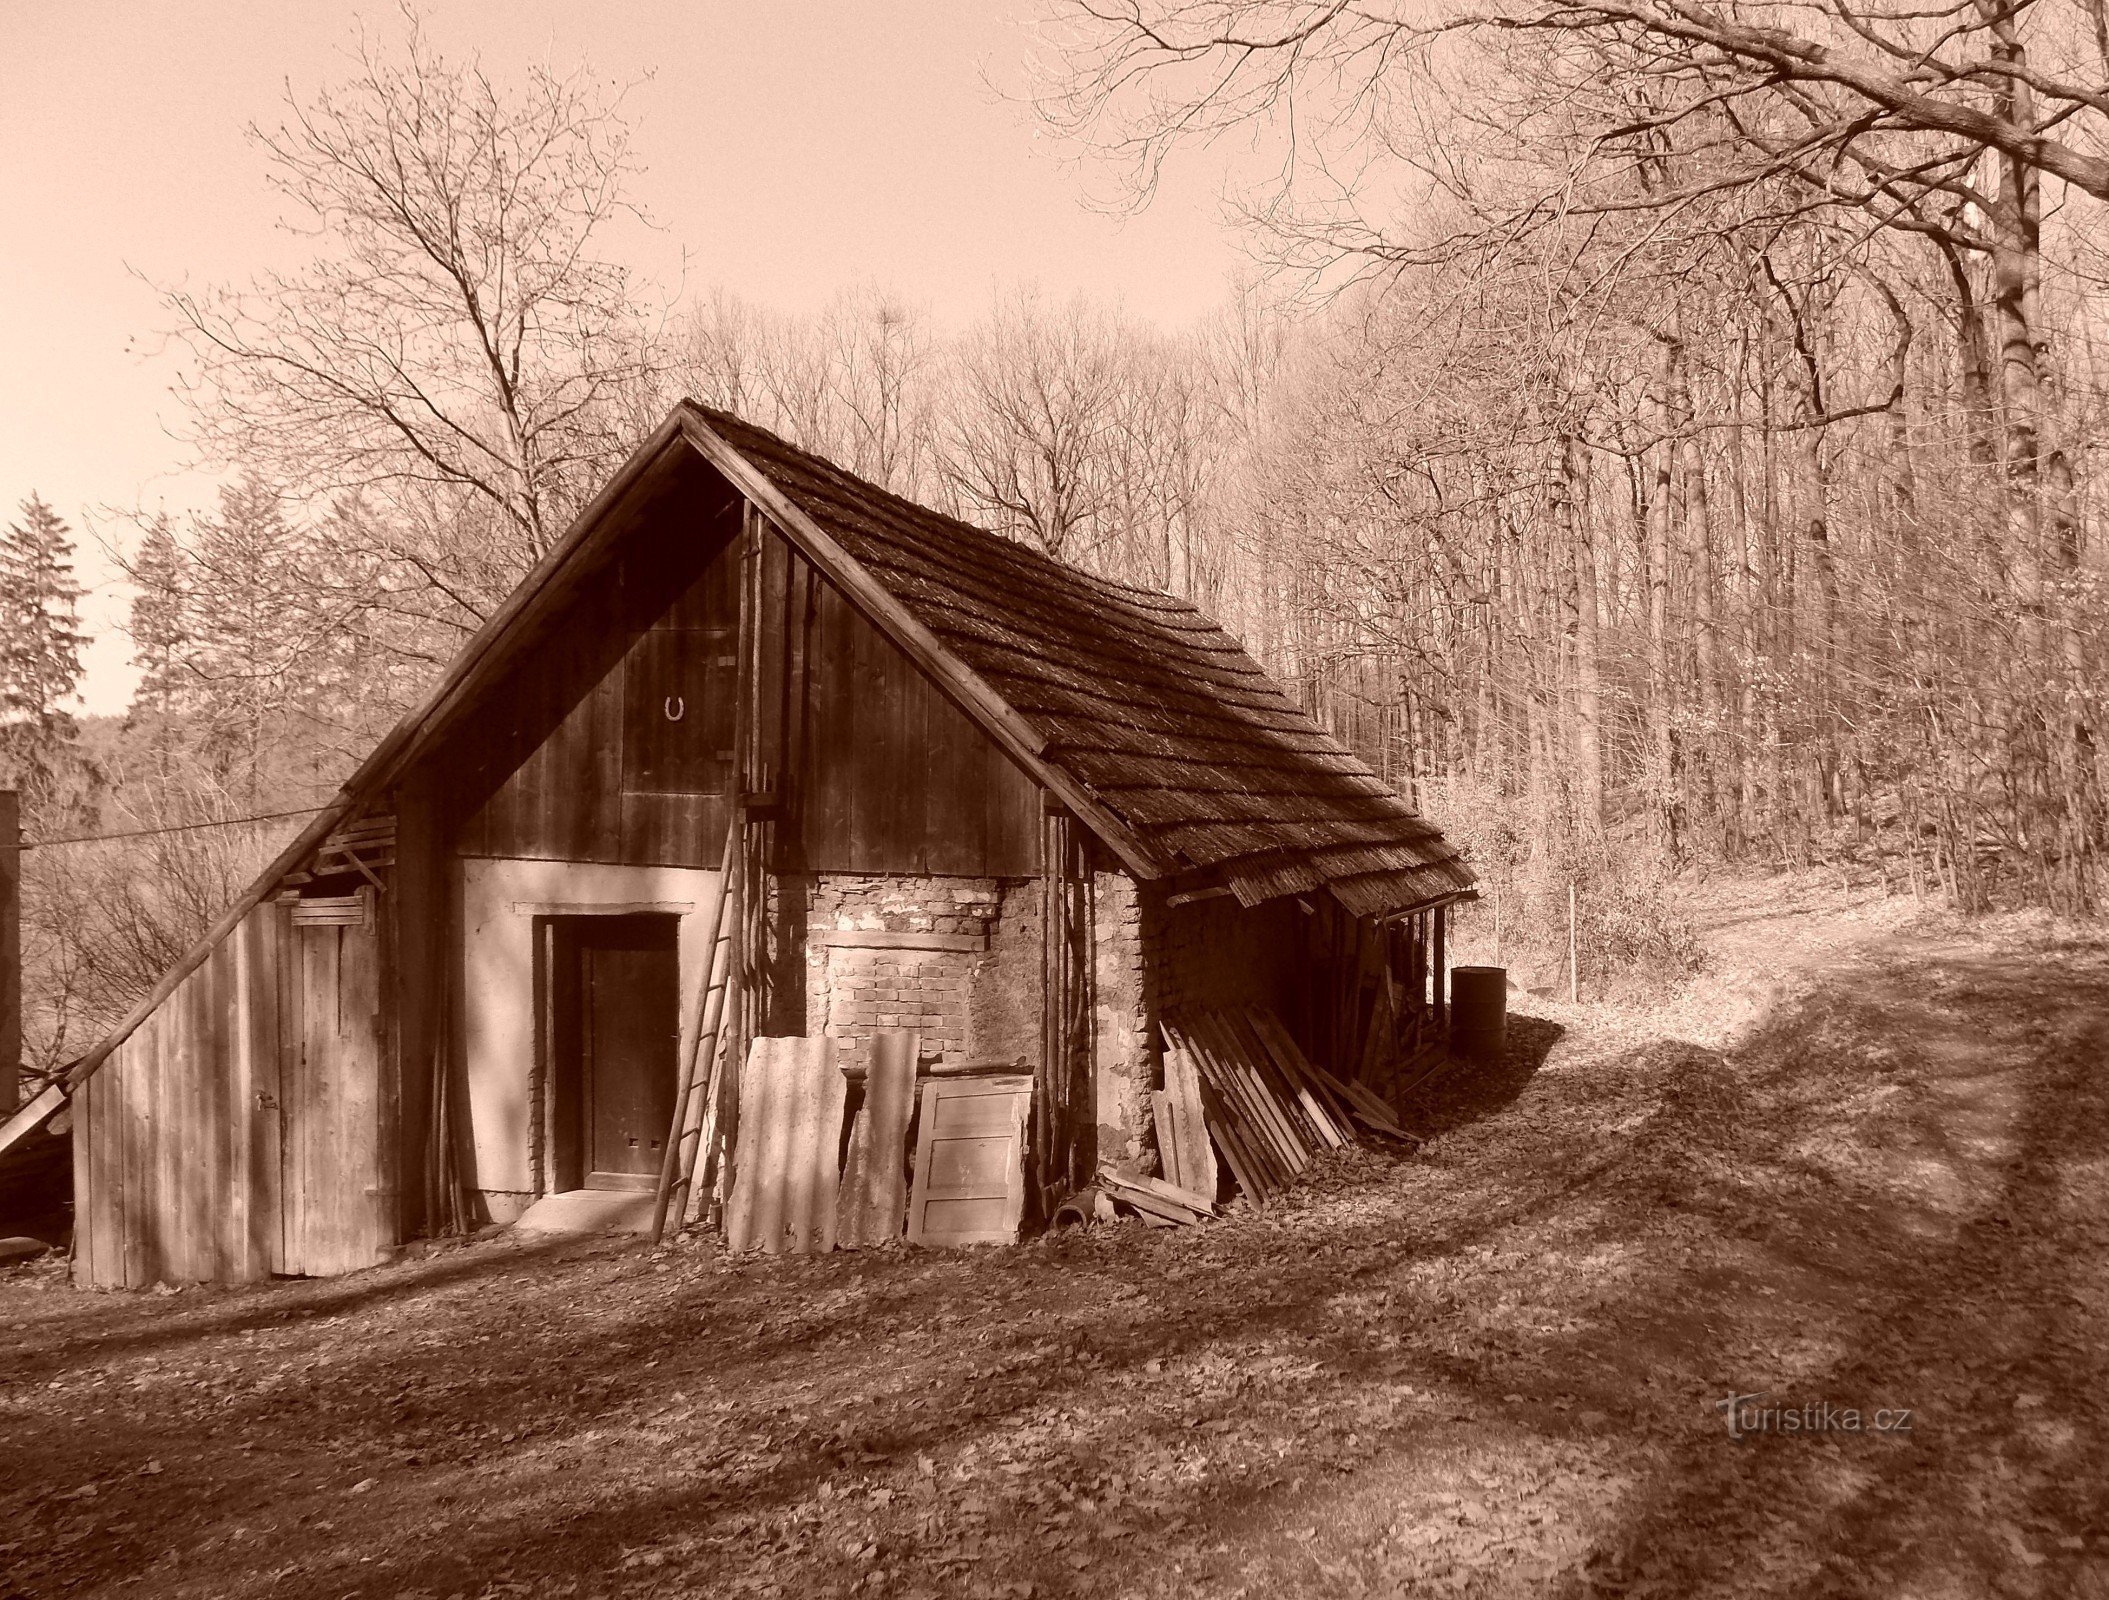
(1479, 1013)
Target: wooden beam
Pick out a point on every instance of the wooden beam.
(31, 1116)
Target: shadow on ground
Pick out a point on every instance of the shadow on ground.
(1491, 1369)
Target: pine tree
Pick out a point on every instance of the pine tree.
(40, 645)
(251, 632)
(160, 622)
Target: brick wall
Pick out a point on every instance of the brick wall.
(956, 959)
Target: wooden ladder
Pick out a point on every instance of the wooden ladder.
(677, 1168)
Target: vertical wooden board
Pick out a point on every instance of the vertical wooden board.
(795, 1173)
(779, 1108)
(1165, 1116)
(133, 1063)
(315, 1116)
(118, 1083)
(189, 1235)
(874, 1199)
(212, 1138)
(249, 1200)
(367, 1202)
(85, 1180)
(824, 791)
(266, 1092)
(287, 943)
(596, 771)
(96, 1180)
(169, 1041)
(1182, 1086)
(230, 1107)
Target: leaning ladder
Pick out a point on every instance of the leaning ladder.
(677, 1168)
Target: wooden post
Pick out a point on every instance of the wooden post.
(10, 950)
(1574, 970)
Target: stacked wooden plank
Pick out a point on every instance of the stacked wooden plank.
(1265, 1105)
(1359, 1102)
(1158, 1203)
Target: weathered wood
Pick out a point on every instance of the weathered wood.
(873, 1205)
(1330, 1092)
(1244, 1166)
(1170, 1195)
(1288, 1080)
(970, 1162)
(875, 720)
(1182, 1087)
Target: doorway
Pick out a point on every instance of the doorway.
(613, 1020)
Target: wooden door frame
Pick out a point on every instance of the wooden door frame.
(545, 1110)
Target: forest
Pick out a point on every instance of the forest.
(1661, 440)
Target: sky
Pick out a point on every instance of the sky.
(791, 149)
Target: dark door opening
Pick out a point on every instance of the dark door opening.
(614, 1017)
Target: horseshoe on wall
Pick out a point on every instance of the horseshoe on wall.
(676, 708)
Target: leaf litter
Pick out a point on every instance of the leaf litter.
(1491, 1369)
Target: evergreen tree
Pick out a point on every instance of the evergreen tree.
(160, 622)
(252, 631)
(40, 645)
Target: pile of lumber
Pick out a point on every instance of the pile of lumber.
(1266, 1106)
(1157, 1202)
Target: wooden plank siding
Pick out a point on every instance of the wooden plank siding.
(896, 778)
(238, 1132)
(583, 758)
(605, 745)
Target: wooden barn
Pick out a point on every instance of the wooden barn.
(942, 783)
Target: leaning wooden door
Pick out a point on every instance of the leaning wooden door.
(970, 1162)
(628, 1026)
(338, 1213)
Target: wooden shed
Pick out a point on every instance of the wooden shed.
(1021, 810)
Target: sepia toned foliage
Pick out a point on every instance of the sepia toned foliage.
(1668, 438)
(1701, 461)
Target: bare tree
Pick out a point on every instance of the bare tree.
(458, 350)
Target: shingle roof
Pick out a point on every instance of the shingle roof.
(1140, 698)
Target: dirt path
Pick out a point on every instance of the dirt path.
(1494, 1369)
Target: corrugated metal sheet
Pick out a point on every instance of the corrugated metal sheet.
(786, 1163)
